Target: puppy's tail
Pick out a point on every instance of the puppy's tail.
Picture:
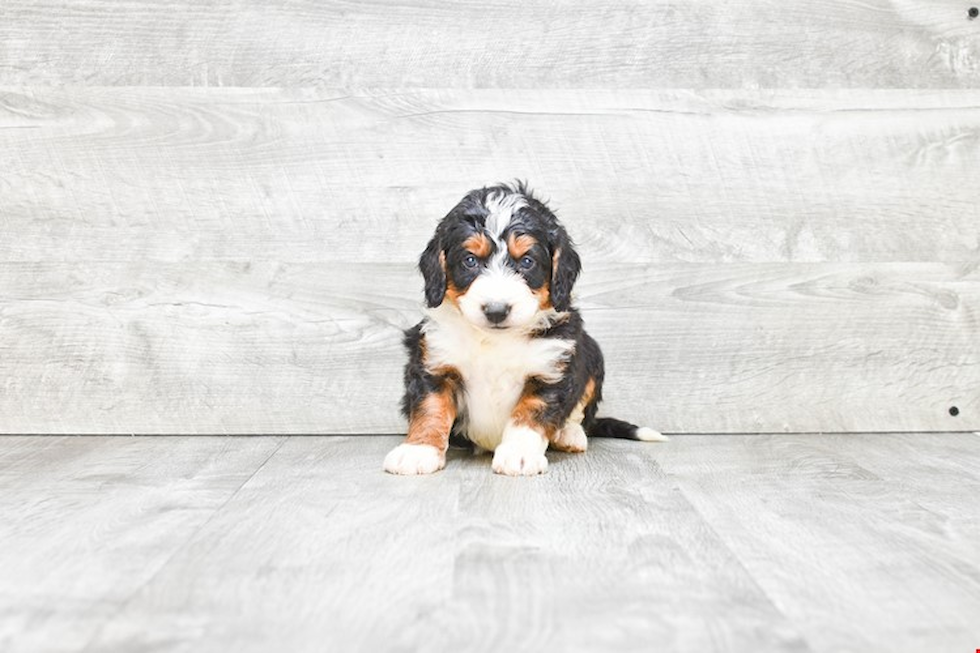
(608, 427)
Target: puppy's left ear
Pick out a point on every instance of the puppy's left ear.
(432, 263)
(565, 266)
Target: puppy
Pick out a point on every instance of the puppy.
(501, 357)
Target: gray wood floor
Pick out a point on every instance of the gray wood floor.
(705, 543)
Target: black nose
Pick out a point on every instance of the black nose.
(496, 312)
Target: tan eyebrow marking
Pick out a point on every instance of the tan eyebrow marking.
(478, 244)
(520, 245)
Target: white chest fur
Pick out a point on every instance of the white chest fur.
(494, 368)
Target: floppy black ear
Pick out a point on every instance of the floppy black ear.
(432, 263)
(565, 266)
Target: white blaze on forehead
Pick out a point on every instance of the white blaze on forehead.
(501, 206)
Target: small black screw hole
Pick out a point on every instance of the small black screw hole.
(973, 12)
(954, 411)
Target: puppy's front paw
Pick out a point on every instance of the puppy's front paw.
(413, 459)
(518, 459)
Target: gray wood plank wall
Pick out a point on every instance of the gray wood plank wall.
(210, 211)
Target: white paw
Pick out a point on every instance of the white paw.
(518, 459)
(571, 438)
(412, 459)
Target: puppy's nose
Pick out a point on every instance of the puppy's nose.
(496, 312)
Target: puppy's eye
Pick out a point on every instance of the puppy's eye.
(469, 261)
(526, 263)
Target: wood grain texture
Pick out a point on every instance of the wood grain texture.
(838, 548)
(795, 543)
(237, 260)
(914, 461)
(86, 522)
(504, 43)
(464, 559)
(315, 348)
(314, 175)
(776, 205)
(600, 554)
(366, 557)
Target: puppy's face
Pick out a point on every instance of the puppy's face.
(502, 259)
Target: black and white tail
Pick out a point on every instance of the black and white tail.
(608, 427)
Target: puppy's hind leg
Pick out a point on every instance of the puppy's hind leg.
(571, 437)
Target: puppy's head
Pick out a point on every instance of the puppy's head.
(502, 259)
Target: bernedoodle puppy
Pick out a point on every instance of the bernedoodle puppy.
(501, 357)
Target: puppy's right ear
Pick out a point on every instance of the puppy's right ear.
(432, 263)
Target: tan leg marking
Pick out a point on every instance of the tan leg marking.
(528, 411)
(424, 449)
(432, 420)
